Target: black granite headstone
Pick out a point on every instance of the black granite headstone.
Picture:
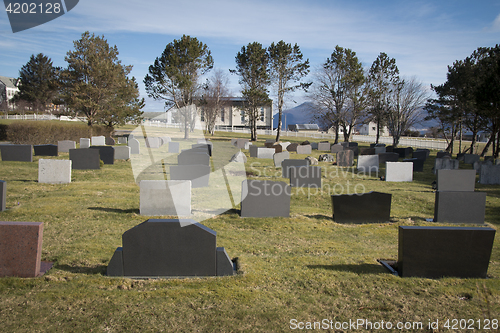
(106, 153)
(460, 207)
(292, 147)
(441, 154)
(18, 153)
(345, 158)
(3, 195)
(367, 151)
(371, 207)
(455, 180)
(207, 147)
(436, 252)
(388, 157)
(45, 150)
(199, 175)
(420, 154)
(287, 163)
(265, 198)
(418, 164)
(84, 158)
(403, 152)
(162, 248)
(309, 176)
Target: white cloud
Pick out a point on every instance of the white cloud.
(496, 24)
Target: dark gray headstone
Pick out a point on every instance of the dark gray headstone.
(420, 150)
(265, 198)
(84, 158)
(403, 152)
(225, 266)
(388, 157)
(345, 158)
(19, 153)
(418, 164)
(460, 207)
(468, 158)
(305, 176)
(106, 153)
(436, 252)
(367, 151)
(109, 141)
(45, 150)
(489, 173)
(286, 163)
(190, 158)
(441, 154)
(445, 163)
(456, 180)
(3, 195)
(199, 175)
(207, 147)
(336, 148)
(354, 149)
(292, 147)
(162, 248)
(253, 150)
(420, 154)
(371, 207)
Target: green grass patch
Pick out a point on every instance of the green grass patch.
(306, 267)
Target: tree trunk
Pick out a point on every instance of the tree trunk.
(336, 125)
(488, 144)
(278, 130)
(378, 132)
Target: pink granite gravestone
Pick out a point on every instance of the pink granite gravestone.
(21, 249)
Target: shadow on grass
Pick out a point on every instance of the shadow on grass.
(116, 210)
(320, 217)
(353, 268)
(99, 269)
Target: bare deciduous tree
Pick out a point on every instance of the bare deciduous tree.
(215, 98)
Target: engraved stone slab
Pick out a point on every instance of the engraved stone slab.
(460, 207)
(135, 147)
(173, 147)
(153, 142)
(418, 164)
(292, 147)
(305, 176)
(190, 158)
(65, 145)
(388, 157)
(265, 152)
(45, 150)
(456, 180)
(345, 158)
(54, 171)
(280, 157)
(336, 148)
(253, 151)
(18, 153)
(109, 141)
(371, 207)
(265, 198)
(367, 151)
(304, 149)
(84, 158)
(489, 174)
(84, 143)
(98, 140)
(286, 163)
(165, 197)
(199, 175)
(106, 153)
(122, 152)
(445, 163)
(368, 163)
(399, 171)
(20, 248)
(436, 252)
(403, 152)
(380, 150)
(323, 146)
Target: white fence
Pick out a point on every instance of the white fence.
(40, 117)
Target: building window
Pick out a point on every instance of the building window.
(202, 115)
(374, 128)
(222, 116)
(262, 114)
(242, 114)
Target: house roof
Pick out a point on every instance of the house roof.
(9, 82)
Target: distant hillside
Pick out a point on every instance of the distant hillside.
(300, 114)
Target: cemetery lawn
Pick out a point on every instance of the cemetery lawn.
(291, 271)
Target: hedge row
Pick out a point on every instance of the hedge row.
(49, 132)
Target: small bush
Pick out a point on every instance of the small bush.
(49, 132)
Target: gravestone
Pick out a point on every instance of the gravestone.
(3, 195)
(98, 140)
(265, 198)
(165, 139)
(21, 249)
(334, 149)
(371, 207)
(206, 147)
(17, 153)
(189, 158)
(436, 252)
(368, 163)
(380, 150)
(279, 157)
(284, 145)
(324, 146)
(199, 175)
(399, 172)
(305, 176)
(304, 149)
(292, 147)
(445, 163)
(314, 145)
(239, 157)
(420, 154)
(418, 164)
(345, 158)
(253, 150)
(165, 197)
(419, 151)
(84, 159)
(247, 145)
(460, 207)
(84, 143)
(277, 148)
(389, 149)
(403, 152)
(367, 151)
(287, 163)
(106, 153)
(489, 174)
(173, 147)
(65, 145)
(469, 158)
(122, 152)
(388, 157)
(441, 154)
(135, 147)
(122, 140)
(45, 150)
(109, 141)
(152, 142)
(54, 171)
(265, 152)
(241, 143)
(169, 248)
(455, 180)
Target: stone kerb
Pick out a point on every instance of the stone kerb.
(54, 171)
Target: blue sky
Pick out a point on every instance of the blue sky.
(423, 36)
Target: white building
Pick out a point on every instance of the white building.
(8, 88)
(371, 129)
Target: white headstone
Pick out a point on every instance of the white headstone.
(265, 152)
(304, 149)
(122, 152)
(54, 171)
(399, 171)
(368, 163)
(98, 141)
(134, 146)
(84, 142)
